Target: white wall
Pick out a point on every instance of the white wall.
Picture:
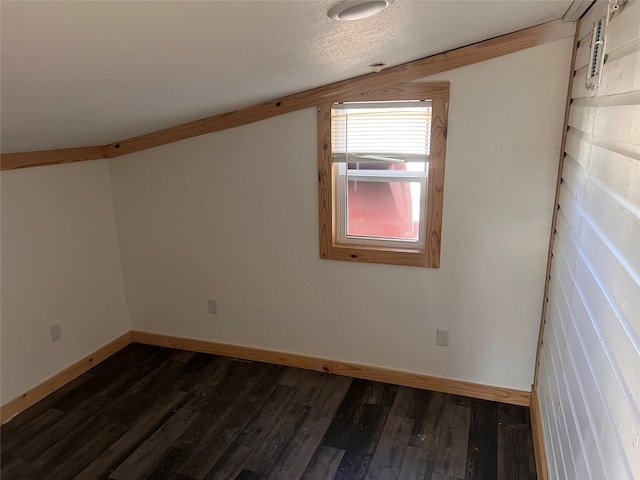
(589, 378)
(60, 263)
(233, 216)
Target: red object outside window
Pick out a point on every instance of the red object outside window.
(381, 209)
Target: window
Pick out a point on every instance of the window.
(381, 171)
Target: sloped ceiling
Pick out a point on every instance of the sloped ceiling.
(91, 72)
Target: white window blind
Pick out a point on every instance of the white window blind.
(381, 131)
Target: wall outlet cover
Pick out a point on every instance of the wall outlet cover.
(213, 307)
(56, 332)
(442, 337)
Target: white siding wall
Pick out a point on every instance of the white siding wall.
(589, 378)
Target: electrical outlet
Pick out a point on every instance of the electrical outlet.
(442, 337)
(56, 332)
(213, 307)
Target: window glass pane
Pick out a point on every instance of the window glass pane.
(384, 209)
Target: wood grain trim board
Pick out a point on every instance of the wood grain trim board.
(556, 204)
(330, 245)
(538, 437)
(368, 372)
(10, 161)
(456, 387)
(382, 81)
(60, 379)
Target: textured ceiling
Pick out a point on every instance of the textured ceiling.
(89, 73)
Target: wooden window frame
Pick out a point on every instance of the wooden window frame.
(427, 256)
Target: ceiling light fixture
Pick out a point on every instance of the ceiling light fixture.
(350, 10)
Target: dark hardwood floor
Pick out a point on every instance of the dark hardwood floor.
(157, 413)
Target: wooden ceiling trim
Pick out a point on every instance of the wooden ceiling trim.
(390, 79)
(11, 161)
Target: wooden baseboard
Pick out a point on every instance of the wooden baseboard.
(457, 387)
(60, 379)
(407, 379)
(538, 438)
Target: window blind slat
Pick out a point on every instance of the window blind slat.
(399, 129)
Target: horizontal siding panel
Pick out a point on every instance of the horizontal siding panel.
(589, 373)
(620, 228)
(620, 125)
(560, 302)
(549, 402)
(579, 87)
(555, 342)
(621, 288)
(578, 147)
(571, 210)
(603, 429)
(624, 27)
(582, 118)
(581, 465)
(565, 257)
(558, 331)
(582, 54)
(626, 356)
(573, 215)
(574, 178)
(615, 368)
(583, 414)
(621, 75)
(618, 173)
(564, 447)
(621, 349)
(626, 352)
(595, 13)
(547, 414)
(564, 236)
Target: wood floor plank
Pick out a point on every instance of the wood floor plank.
(451, 457)
(404, 403)
(429, 408)
(168, 465)
(299, 453)
(389, 454)
(36, 446)
(146, 360)
(322, 391)
(210, 440)
(39, 425)
(381, 394)
(227, 382)
(270, 447)
(230, 464)
(361, 442)
(124, 446)
(152, 450)
(49, 402)
(146, 393)
(78, 457)
(324, 464)
(262, 432)
(515, 457)
(19, 469)
(347, 424)
(482, 449)
(158, 413)
(417, 464)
